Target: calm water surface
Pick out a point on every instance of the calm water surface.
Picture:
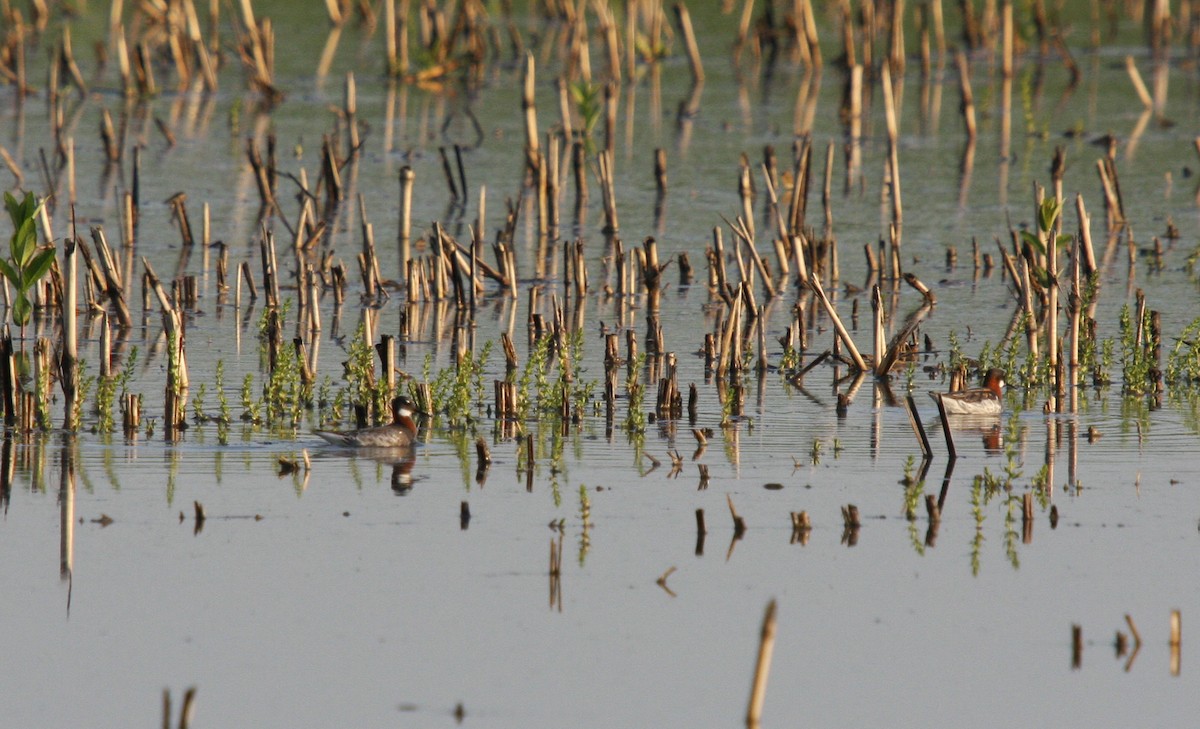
(333, 600)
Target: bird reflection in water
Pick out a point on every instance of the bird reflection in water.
(400, 460)
(985, 426)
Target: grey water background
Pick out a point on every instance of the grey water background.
(349, 605)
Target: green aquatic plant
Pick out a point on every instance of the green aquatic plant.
(285, 394)
(84, 387)
(533, 378)
(106, 389)
(1014, 505)
(251, 408)
(364, 391)
(1136, 358)
(589, 104)
(635, 417)
(955, 357)
(914, 489)
(457, 390)
(198, 403)
(26, 263)
(223, 414)
(585, 518)
(790, 360)
(1183, 361)
(1047, 219)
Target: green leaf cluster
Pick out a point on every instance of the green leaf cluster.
(27, 263)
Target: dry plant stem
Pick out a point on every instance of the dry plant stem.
(781, 228)
(1112, 199)
(762, 667)
(68, 365)
(919, 428)
(968, 97)
(529, 106)
(739, 524)
(747, 236)
(1137, 637)
(1088, 260)
(946, 428)
(177, 373)
(1051, 314)
(1031, 323)
(112, 278)
(921, 288)
(815, 282)
(1139, 85)
(889, 106)
(683, 21)
(879, 339)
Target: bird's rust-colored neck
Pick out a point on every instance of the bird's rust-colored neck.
(995, 382)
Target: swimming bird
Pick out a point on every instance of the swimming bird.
(400, 433)
(986, 400)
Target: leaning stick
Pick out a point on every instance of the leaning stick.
(1138, 84)
(946, 428)
(766, 646)
(683, 20)
(918, 428)
(815, 281)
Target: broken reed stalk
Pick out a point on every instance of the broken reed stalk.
(918, 428)
(1137, 637)
(781, 230)
(604, 163)
(850, 518)
(946, 427)
(683, 21)
(68, 364)
(113, 285)
(889, 106)
(921, 288)
(10, 384)
(739, 524)
(762, 667)
(968, 97)
(529, 107)
(1088, 259)
(407, 177)
(742, 230)
(1139, 85)
(1113, 207)
(815, 282)
(880, 337)
(177, 371)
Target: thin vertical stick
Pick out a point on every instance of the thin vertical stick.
(70, 372)
(407, 178)
(946, 428)
(683, 20)
(889, 106)
(529, 106)
(919, 428)
(766, 646)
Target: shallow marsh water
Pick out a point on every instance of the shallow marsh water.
(349, 604)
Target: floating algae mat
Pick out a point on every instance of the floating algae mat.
(672, 286)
